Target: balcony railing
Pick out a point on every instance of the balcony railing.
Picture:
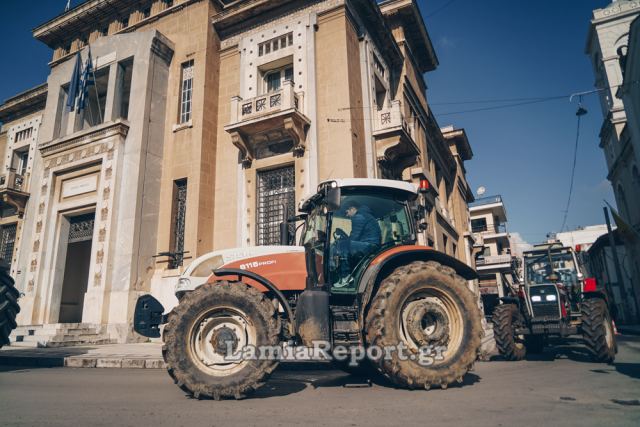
(13, 181)
(489, 200)
(494, 259)
(391, 118)
(490, 229)
(269, 103)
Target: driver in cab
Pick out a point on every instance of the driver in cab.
(365, 237)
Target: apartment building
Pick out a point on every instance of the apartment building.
(494, 260)
(210, 119)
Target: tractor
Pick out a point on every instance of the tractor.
(556, 300)
(410, 302)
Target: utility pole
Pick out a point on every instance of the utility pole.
(616, 262)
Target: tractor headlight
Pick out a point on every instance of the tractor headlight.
(536, 298)
(550, 298)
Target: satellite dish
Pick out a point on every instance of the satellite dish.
(481, 190)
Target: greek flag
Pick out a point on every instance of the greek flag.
(74, 84)
(86, 81)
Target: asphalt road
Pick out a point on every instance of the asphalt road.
(559, 387)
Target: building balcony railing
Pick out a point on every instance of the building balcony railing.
(489, 200)
(267, 104)
(392, 118)
(396, 147)
(13, 191)
(494, 259)
(490, 229)
(13, 181)
(277, 115)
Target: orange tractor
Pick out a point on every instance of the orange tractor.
(361, 285)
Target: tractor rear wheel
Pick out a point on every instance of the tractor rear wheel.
(9, 307)
(210, 337)
(426, 323)
(505, 319)
(597, 330)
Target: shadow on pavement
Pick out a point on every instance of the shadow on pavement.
(35, 358)
(631, 370)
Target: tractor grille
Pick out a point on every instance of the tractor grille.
(545, 309)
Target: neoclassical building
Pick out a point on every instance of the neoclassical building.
(607, 45)
(207, 120)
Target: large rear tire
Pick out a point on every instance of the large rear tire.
(9, 307)
(504, 319)
(597, 330)
(208, 322)
(420, 305)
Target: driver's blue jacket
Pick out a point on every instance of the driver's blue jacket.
(364, 227)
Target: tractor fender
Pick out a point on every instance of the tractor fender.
(383, 264)
(223, 272)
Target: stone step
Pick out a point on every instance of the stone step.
(98, 341)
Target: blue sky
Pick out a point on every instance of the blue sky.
(489, 49)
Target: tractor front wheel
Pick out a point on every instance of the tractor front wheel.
(505, 319)
(426, 323)
(597, 330)
(213, 336)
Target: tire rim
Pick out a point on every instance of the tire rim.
(217, 334)
(431, 317)
(608, 333)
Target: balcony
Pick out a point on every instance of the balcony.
(494, 259)
(268, 118)
(490, 200)
(13, 191)
(396, 149)
(490, 229)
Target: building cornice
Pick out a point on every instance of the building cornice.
(84, 137)
(613, 12)
(408, 12)
(24, 103)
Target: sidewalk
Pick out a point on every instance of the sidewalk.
(141, 355)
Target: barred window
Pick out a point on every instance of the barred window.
(186, 91)
(276, 199)
(7, 242)
(178, 214)
(275, 43)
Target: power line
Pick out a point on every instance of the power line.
(498, 107)
(440, 9)
(581, 112)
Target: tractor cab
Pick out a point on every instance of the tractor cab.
(349, 222)
(552, 284)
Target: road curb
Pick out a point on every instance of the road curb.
(106, 362)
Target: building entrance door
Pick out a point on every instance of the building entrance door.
(76, 269)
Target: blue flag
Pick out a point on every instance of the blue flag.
(86, 81)
(74, 84)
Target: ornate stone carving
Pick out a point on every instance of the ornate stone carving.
(103, 213)
(36, 246)
(34, 265)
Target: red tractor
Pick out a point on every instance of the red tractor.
(342, 292)
(557, 299)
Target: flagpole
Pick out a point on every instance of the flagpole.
(95, 87)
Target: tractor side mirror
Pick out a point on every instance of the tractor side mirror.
(333, 199)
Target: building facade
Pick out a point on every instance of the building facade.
(608, 46)
(495, 262)
(208, 120)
